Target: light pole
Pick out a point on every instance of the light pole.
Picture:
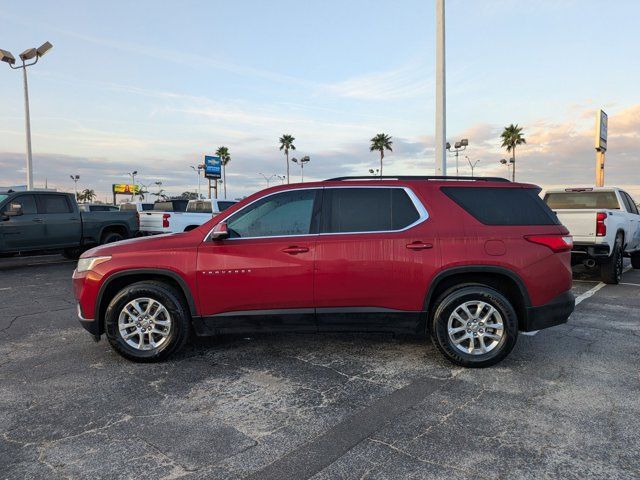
(75, 179)
(133, 182)
(282, 178)
(302, 161)
(24, 56)
(441, 96)
(269, 178)
(458, 147)
(375, 172)
(509, 163)
(472, 165)
(197, 170)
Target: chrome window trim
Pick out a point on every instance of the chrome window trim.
(423, 214)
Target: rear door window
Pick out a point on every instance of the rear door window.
(631, 205)
(581, 200)
(379, 209)
(503, 206)
(55, 204)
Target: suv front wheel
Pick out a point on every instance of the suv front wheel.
(147, 321)
(474, 326)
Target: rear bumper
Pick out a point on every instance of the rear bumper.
(599, 253)
(556, 312)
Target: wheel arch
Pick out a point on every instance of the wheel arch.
(502, 279)
(117, 281)
(114, 227)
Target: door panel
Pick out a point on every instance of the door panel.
(62, 225)
(26, 231)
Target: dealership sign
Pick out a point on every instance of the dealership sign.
(126, 188)
(212, 167)
(601, 131)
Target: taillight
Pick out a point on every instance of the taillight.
(601, 228)
(557, 243)
(165, 220)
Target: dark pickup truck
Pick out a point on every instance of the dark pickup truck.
(39, 220)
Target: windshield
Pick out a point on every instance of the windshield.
(581, 200)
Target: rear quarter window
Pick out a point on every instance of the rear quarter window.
(503, 206)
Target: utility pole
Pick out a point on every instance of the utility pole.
(441, 107)
(601, 145)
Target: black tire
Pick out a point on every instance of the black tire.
(168, 297)
(453, 299)
(611, 269)
(72, 253)
(110, 237)
(635, 260)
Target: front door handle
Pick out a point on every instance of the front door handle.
(38, 220)
(419, 246)
(295, 250)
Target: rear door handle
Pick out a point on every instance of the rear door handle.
(419, 246)
(38, 220)
(295, 250)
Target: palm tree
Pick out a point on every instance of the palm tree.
(511, 137)
(225, 157)
(286, 144)
(381, 142)
(87, 195)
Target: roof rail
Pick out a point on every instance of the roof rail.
(419, 177)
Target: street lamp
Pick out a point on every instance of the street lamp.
(472, 165)
(282, 178)
(302, 161)
(197, 170)
(269, 178)
(375, 172)
(75, 179)
(509, 163)
(457, 148)
(28, 54)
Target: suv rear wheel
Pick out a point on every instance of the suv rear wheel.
(147, 322)
(474, 326)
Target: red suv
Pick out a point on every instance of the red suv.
(470, 261)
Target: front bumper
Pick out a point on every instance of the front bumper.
(556, 312)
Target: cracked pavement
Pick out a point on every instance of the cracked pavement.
(566, 403)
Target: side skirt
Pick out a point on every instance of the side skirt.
(310, 320)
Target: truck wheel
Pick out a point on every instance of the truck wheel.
(611, 270)
(474, 326)
(147, 322)
(635, 260)
(110, 237)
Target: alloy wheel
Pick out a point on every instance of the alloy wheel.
(144, 324)
(475, 327)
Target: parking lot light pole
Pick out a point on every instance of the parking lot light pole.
(28, 54)
(269, 178)
(472, 165)
(302, 161)
(75, 179)
(509, 163)
(458, 147)
(197, 170)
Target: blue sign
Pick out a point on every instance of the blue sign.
(212, 167)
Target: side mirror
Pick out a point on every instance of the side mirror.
(220, 231)
(14, 210)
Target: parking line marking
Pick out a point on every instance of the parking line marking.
(589, 293)
(621, 283)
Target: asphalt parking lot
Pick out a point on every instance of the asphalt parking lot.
(566, 403)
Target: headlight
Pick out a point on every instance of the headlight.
(86, 264)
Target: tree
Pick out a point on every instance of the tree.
(381, 142)
(87, 195)
(511, 137)
(225, 157)
(286, 144)
(188, 196)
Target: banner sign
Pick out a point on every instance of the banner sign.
(601, 131)
(212, 167)
(126, 188)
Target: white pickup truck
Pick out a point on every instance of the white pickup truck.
(605, 225)
(197, 212)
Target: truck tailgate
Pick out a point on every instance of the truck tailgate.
(580, 223)
(151, 222)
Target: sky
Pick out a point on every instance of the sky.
(153, 86)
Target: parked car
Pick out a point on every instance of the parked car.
(153, 222)
(470, 262)
(136, 207)
(38, 220)
(97, 207)
(605, 225)
(197, 213)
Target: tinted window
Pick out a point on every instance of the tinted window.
(222, 206)
(27, 202)
(199, 207)
(127, 207)
(55, 204)
(367, 210)
(581, 200)
(286, 213)
(147, 206)
(503, 206)
(631, 206)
